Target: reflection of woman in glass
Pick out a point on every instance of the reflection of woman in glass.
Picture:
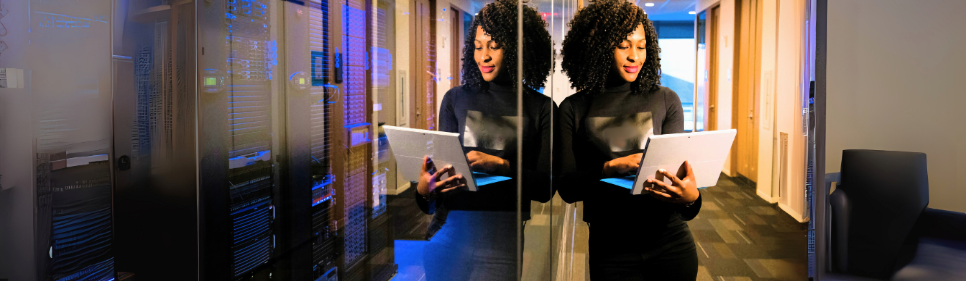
(611, 56)
(479, 238)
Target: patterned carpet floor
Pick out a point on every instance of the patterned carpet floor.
(742, 237)
(738, 235)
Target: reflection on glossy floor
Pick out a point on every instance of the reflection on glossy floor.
(541, 235)
(410, 227)
(739, 236)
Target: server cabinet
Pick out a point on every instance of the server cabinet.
(309, 217)
(155, 133)
(55, 200)
(382, 95)
(246, 124)
(194, 140)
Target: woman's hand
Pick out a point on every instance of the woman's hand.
(683, 189)
(623, 165)
(482, 162)
(430, 182)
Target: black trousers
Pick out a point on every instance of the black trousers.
(675, 258)
(474, 246)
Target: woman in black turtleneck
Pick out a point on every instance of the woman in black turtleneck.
(474, 234)
(611, 56)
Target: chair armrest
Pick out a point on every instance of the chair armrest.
(942, 224)
(830, 178)
(841, 210)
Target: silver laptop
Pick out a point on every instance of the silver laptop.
(706, 151)
(443, 148)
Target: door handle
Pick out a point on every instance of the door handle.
(124, 163)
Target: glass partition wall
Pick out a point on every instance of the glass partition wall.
(549, 252)
(246, 140)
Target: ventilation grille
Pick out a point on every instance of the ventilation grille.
(251, 57)
(73, 219)
(355, 115)
(783, 165)
(356, 62)
(355, 204)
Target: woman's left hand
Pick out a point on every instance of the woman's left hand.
(482, 162)
(682, 190)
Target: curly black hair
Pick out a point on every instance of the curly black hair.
(499, 20)
(588, 49)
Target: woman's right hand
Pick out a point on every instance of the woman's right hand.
(622, 166)
(429, 183)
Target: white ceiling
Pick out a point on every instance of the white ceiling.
(667, 6)
(662, 9)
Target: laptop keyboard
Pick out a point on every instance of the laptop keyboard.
(485, 179)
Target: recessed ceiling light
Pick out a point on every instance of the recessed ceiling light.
(649, 4)
(691, 13)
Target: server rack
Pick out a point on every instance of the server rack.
(74, 216)
(60, 215)
(275, 181)
(324, 96)
(154, 108)
(238, 181)
(205, 174)
(309, 216)
(382, 44)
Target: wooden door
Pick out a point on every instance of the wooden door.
(753, 101)
(424, 66)
(707, 82)
(746, 88)
(456, 46)
(738, 112)
(712, 36)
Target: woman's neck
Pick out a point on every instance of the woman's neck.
(615, 81)
(501, 83)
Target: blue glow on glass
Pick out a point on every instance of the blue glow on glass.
(338, 62)
(355, 125)
(253, 158)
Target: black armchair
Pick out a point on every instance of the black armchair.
(880, 228)
(874, 208)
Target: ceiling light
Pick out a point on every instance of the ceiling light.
(648, 4)
(691, 13)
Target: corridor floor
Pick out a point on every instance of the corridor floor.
(738, 235)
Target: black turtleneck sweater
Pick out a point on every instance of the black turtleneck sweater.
(599, 127)
(486, 118)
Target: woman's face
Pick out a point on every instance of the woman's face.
(630, 54)
(488, 55)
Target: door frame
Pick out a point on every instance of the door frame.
(747, 51)
(710, 93)
(456, 49)
(418, 77)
